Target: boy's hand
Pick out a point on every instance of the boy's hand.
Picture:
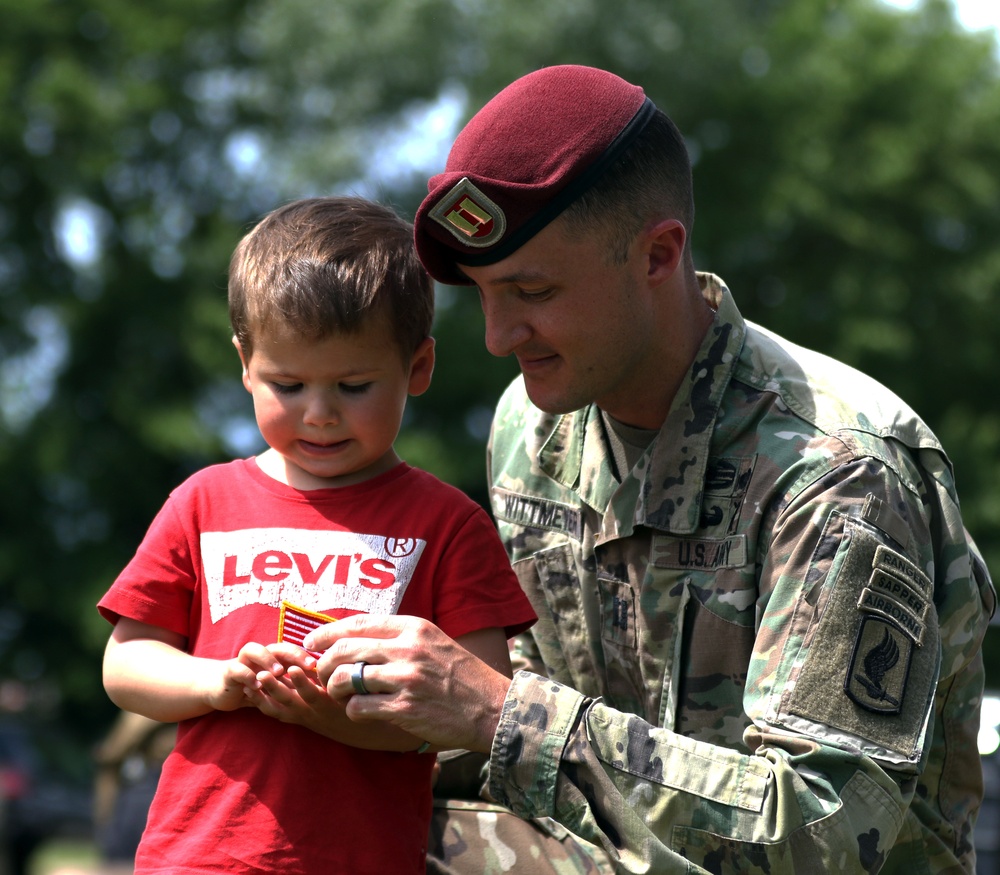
(295, 694)
(239, 676)
(285, 685)
(289, 690)
(239, 681)
(287, 655)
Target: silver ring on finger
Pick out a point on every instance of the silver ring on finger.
(358, 679)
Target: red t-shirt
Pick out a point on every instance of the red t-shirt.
(243, 792)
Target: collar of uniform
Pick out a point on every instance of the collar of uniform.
(672, 488)
(674, 485)
(568, 456)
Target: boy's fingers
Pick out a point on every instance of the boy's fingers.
(290, 654)
(306, 684)
(275, 689)
(259, 657)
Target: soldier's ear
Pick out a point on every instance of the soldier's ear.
(663, 248)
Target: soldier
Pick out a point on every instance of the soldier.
(761, 615)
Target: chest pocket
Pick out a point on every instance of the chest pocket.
(715, 594)
(550, 580)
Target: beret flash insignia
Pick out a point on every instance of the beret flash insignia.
(470, 215)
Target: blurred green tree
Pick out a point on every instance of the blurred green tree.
(846, 161)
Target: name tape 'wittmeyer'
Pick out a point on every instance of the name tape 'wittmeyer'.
(537, 513)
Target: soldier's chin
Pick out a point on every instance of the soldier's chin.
(549, 402)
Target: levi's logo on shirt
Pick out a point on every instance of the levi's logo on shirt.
(319, 570)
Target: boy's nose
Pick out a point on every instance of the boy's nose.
(321, 410)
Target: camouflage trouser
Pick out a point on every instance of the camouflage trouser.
(476, 838)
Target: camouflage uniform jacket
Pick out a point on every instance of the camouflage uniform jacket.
(760, 652)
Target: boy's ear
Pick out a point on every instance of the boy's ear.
(243, 362)
(422, 367)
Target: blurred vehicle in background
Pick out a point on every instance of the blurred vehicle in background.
(987, 835)
(35, 805)
(4, 869)
(128, 761)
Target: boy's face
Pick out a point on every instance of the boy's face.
(331, 409)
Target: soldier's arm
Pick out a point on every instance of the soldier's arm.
(839, 734)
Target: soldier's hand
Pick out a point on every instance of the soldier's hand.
(416, 677)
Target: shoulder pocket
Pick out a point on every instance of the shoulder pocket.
(871, 666)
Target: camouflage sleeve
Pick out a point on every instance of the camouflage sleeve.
(657, 800)
(840, 692)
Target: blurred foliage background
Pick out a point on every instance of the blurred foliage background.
(847, 171)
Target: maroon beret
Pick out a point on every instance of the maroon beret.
(521, 160)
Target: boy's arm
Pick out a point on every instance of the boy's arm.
(147, 671)
(299, 698)
(491, 646)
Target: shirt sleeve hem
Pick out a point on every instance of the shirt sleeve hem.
(538, 716)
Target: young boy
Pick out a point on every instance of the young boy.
(331, 312)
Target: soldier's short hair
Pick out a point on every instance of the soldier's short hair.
(650, 180)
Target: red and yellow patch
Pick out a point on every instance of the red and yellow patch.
(294, 623)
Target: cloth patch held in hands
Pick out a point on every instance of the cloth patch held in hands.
(294, 623)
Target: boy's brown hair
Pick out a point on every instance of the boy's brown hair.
(325, 265)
